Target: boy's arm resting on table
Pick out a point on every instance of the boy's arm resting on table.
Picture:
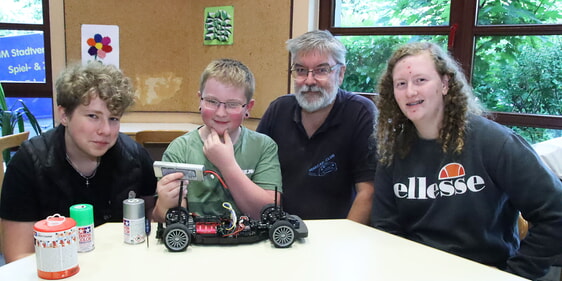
(17, 239)
(361, 208)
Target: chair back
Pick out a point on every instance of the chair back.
(7, 142)
(156, 141)
(158, 136)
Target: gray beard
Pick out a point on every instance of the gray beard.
(311, 106)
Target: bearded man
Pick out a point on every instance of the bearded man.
(325, 136)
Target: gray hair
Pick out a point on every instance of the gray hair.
(318, 40)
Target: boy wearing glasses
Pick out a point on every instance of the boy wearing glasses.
(324, 134)
(245, 160)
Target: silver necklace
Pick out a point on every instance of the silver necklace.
(87, 178)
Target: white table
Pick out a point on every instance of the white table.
(334, 250)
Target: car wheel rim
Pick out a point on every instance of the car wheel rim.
(283, 235)
(177, 239)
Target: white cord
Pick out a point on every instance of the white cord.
(233, 217)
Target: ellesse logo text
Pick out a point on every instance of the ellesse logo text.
(452, 181)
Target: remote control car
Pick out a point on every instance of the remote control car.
(183, 228)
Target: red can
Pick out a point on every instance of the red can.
(56, 247)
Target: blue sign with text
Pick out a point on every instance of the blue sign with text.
(22, 58)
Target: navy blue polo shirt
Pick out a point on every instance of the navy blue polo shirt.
(320, 172)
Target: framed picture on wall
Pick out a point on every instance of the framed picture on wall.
(218, 26)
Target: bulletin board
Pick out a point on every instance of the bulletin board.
(162, 50)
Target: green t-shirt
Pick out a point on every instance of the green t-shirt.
(255, 153)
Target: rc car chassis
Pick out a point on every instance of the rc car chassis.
(183, 228)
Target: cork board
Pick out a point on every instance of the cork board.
(162, 46)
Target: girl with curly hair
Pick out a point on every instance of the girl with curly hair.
(454, 180)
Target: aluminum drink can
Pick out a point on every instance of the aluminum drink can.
(56, 247)
(133, 221)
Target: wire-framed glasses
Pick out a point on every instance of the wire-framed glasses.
(319, 73)
(230, 106)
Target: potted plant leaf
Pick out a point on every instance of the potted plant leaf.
(14, 116)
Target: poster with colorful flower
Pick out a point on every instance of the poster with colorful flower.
(100, 43)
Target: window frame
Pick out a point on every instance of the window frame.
(462, 48)
(30, 90)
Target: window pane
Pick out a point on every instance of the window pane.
(384, 13)
(11, 32)
(41, 108)
(22, 57)
(521, 74)
(22, 11)
(536, 135)
(367, 57)
(520, 12)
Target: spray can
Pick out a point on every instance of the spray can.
(133, 221)
(83, 214)
(56, 247)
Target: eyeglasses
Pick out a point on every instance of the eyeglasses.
(319, 73)
(230, 106)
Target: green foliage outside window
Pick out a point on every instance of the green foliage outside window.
(521, 74)
(367, 57)
(527, 79)
(20, 11)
